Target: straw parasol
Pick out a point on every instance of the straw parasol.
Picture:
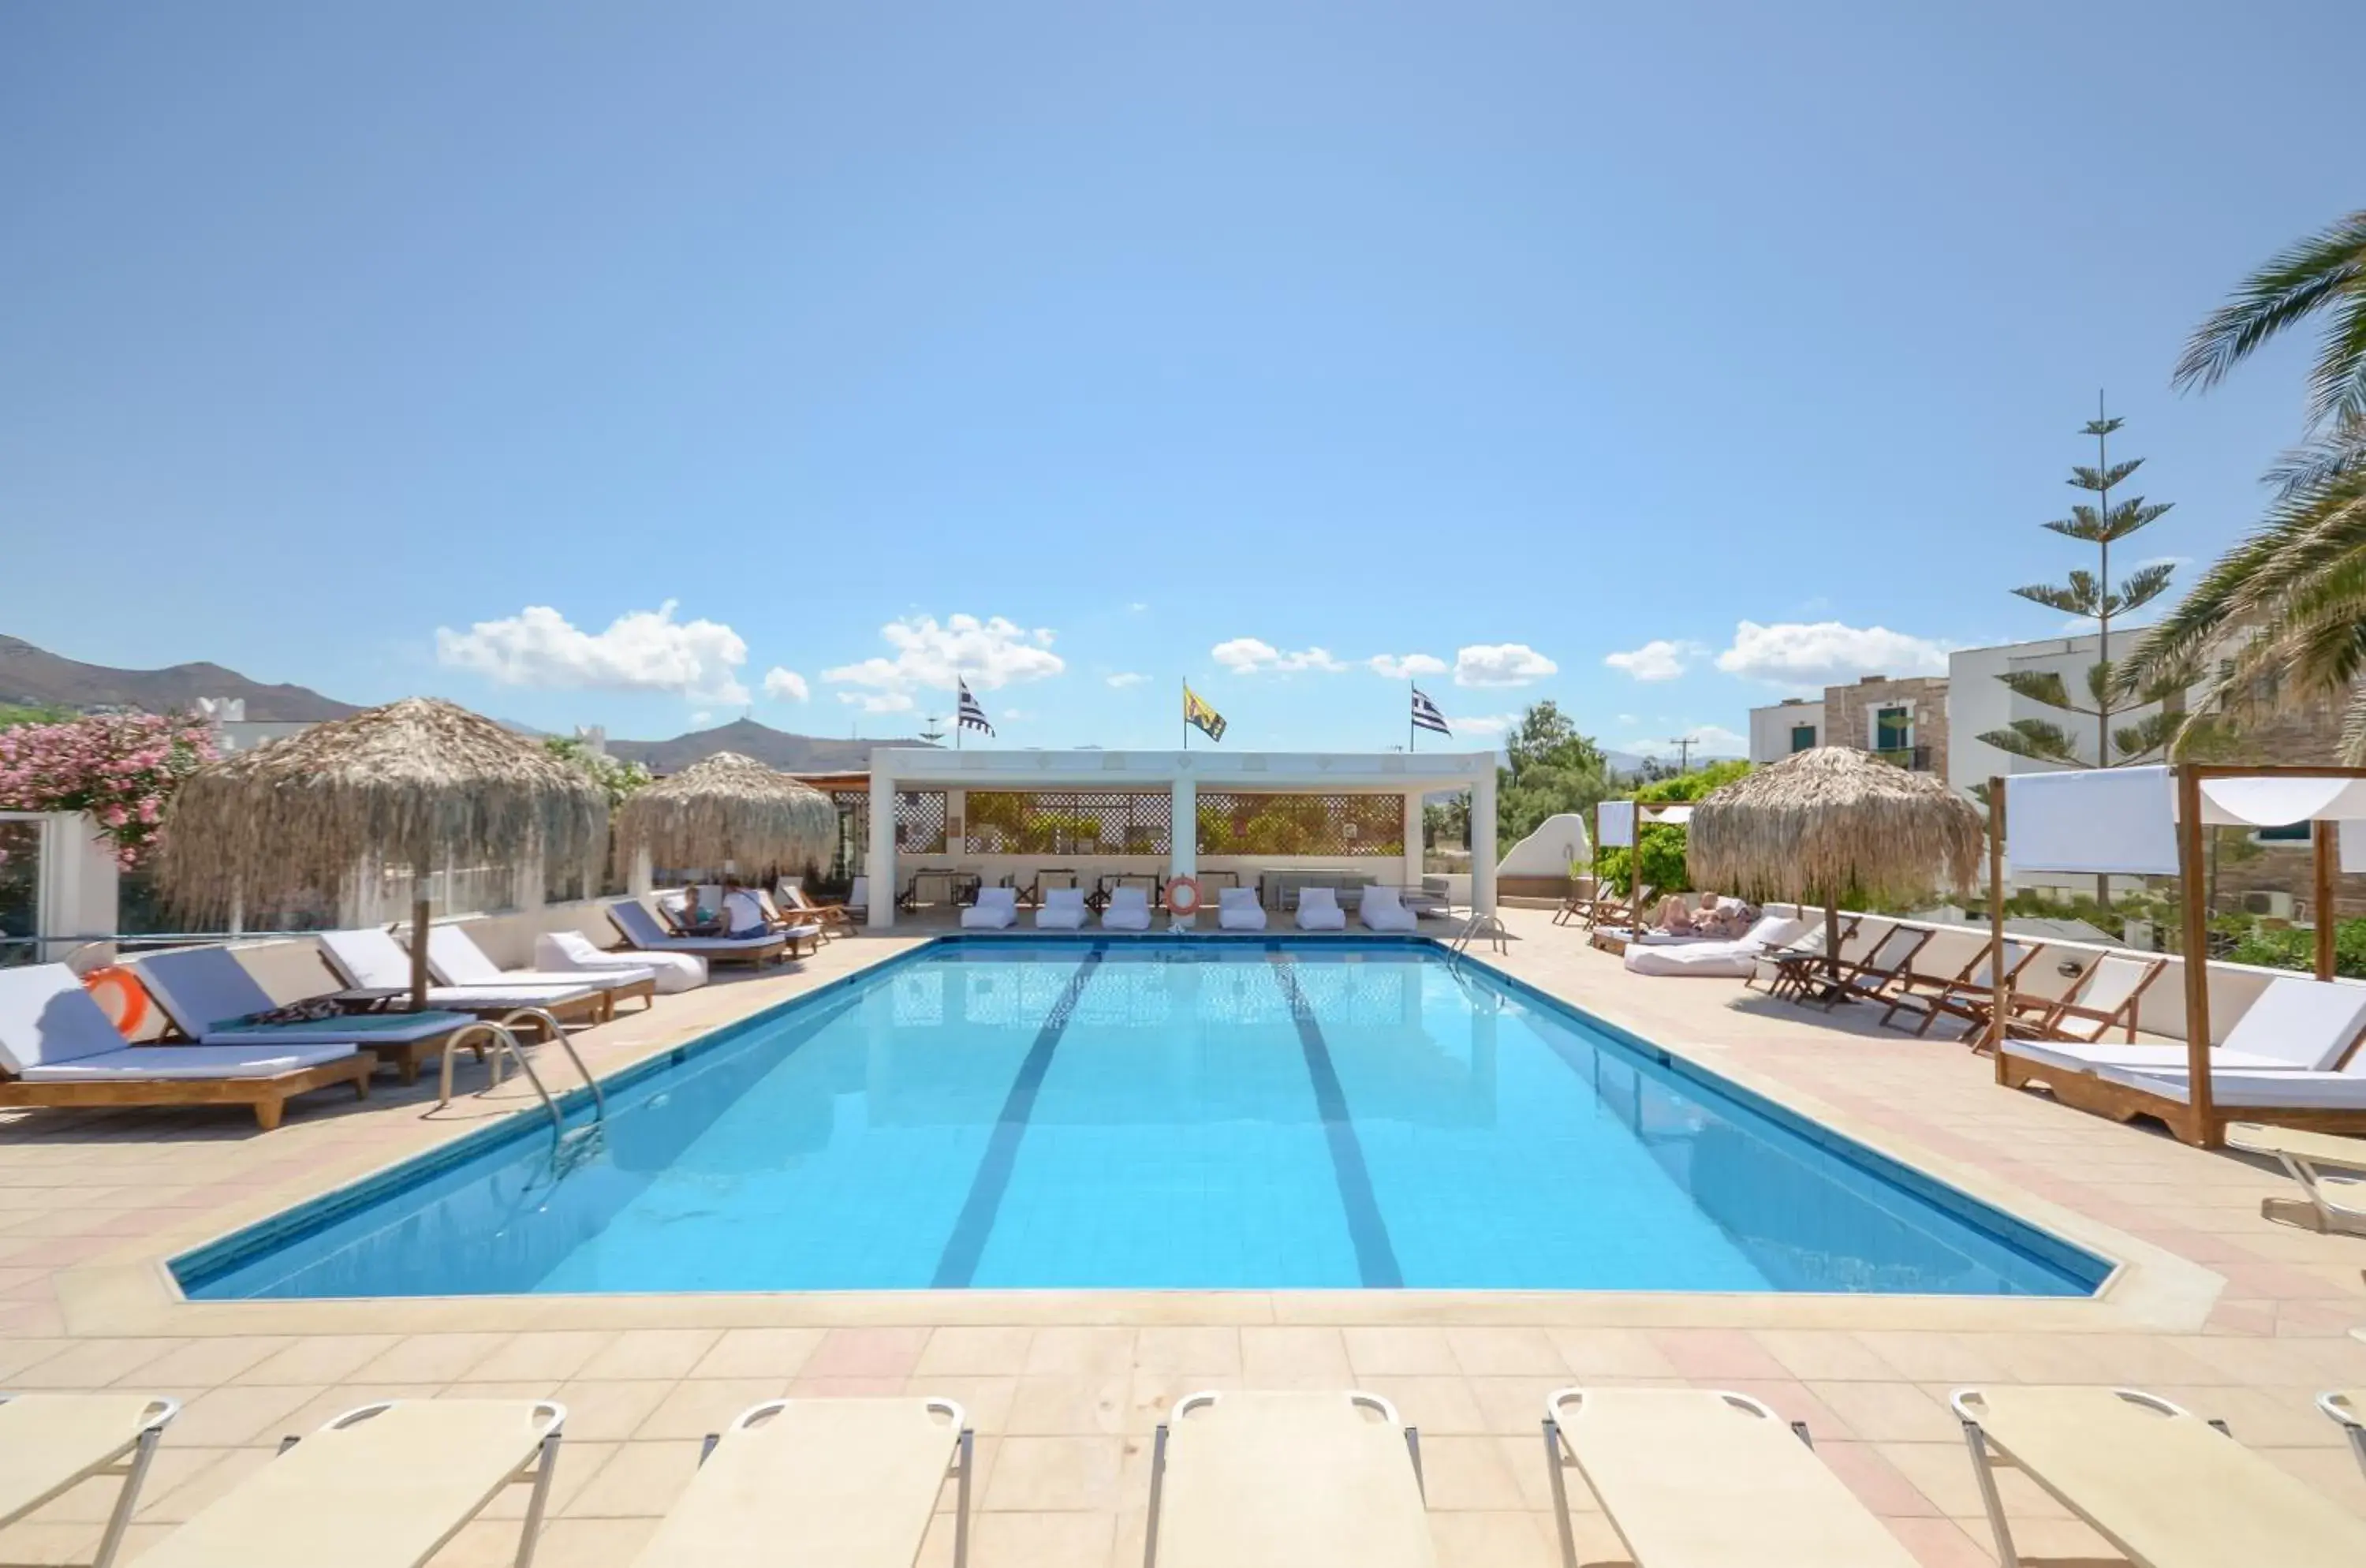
(726, 812)
(417, 783)
(1832, 821)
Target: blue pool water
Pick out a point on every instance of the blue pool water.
(1156, 1113)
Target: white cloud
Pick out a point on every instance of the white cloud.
(987, 653)
(642, 651)
(1125, 678)
(1249, 656)
(1500, 664)
(702, 717)
(1405, 669)
(1137, 608)
(1661, 658)
(1483, 724)
(1628, 718)
(783, 682)
(1709, 741)
(877, 702)
(1016, 713)
(1821, 653)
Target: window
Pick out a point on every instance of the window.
(1803, 737)
(1893, 729)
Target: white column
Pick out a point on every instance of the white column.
(1412, 839)
(881, 866)
(1183, 829)
(75, 895)
(644, 879)
(1482, 843)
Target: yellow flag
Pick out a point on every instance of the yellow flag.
(1198, 715)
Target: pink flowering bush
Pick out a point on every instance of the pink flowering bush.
(120, 768)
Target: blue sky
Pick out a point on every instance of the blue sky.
(592, 363)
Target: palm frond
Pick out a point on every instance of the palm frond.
(2145, 584)
(2295, 283)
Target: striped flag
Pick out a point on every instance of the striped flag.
(1425, 714)
(973, 716)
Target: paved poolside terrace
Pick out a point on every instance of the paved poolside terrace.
(2229, 1314)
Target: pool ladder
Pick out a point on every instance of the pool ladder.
(506, 1041)
(1488, 926)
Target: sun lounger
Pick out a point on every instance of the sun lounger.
(1318, 911)
(382, 1486)
(1967, 996)
(794, 924)
(996, 910)
(572, 952)
(1884, 966)
(1699, 1478)
(52, 1443)
(1612, 908)
(2159, 1484)
(2105, 999)
(1237, 909)
(1063, 910)
(833, 1482)
(1858, 934)
(641, 930)
(1129, 910)
(1735, 960)
(57, 1048)
(2305, 1157)
(206, 991)
(834, 919)
(2346, 1409)
(454, 957)
(749, 911)
(1382, 910)
(1286, 1480)
(369, 958)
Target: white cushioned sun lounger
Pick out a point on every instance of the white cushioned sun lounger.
(2297, 1025)
(368, 957)
(51, 1443)
(833, 1482)
(2158, 1483)
(641, 930)
(454, 957)
(1382, 910)
(57, 1048)
(1237, 909)
(1318, 911)
(2230, 1089)
(205, 990)
(1326, 1480)
(1129, 910)
(996, 909)
(2306, 1156)
(383, 1487)
(1722, 960)
(1063, 910)
(561, 952)
(1699, 1478)
(2346, 1409)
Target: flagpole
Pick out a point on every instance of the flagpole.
(1411, 744)
(1187, 715)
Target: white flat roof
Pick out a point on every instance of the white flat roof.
(1392, 771)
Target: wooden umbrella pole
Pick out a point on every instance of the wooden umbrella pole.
(420, 852)
(2000, 973)
(1831, 939)
(2323, 842)
(2199, 1112)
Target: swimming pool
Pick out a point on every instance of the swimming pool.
(1154, 1113)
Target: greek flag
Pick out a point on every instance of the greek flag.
(1425, 714)
(973, 716)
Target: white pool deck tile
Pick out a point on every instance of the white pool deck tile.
(2230, 1314)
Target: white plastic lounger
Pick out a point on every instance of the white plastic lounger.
(556, 952)
(58, 1048)
(834, 1482)
(1318, 911)
(2346, 1409)
(369, 958)
(1700, 1478)
(382, 1486)
(1063, 910)
(2158, 1483)
(2306, 1156)
(641, 930)
(1736, 960)
(1286, 1480)
(1129, 910)
(454, 957)
(1382, 910)
(2296, 1025)
(1237, 909)
(996, 910)
(51, 1443)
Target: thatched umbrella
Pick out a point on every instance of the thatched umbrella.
(725, 812)
(419, 782)
(1832, 821)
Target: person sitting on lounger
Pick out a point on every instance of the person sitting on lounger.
(1673, 916)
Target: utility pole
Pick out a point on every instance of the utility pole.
(932, 728)
(1683, 745)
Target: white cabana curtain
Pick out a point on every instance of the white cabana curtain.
(2102, 820)
(1615, 820)
(1677, 816)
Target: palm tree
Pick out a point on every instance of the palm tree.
(2295, 590)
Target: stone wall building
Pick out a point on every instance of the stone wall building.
(1903, 721)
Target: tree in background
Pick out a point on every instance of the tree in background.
(621, 780)
(14, 714)
(1665, 843)
(118, 768)
(1553, 769)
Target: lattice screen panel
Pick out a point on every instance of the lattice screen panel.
(1242, 824)
(1068, 821)
(920, 822)
(853, 833)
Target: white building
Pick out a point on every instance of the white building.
(1795, 723)
(1977, 702)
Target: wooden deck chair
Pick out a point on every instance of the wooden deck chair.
(833, 918)
(2347, 1408)
(1699, 1478)
(1326, 1480)
(381, 1486)
(1968, 996)
(2105, 999)
(2305, 1157)
(52, 1443)
(2168, 1489)
(1615, 910)
(1887, 964)
(1811, 941)
(847, 1482)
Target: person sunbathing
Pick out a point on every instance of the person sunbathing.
(1673, 916)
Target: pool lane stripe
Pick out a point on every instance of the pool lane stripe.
(1375, 1259)
(957, 1264)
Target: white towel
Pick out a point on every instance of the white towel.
(2100, 819)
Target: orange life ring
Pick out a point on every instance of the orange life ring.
(119, 996)
(1183, 896)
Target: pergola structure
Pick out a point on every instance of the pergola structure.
(1264, 807)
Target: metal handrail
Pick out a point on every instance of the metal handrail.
(503, 1041)
(551, 1027)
